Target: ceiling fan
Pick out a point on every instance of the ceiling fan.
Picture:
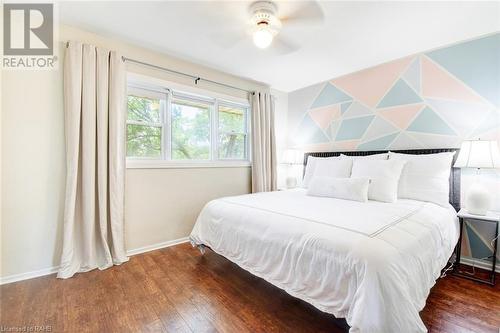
(268, 22)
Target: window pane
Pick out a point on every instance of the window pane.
(143, 141)
(190, 130)
(231, 119)
(143, 109)
(232, 146)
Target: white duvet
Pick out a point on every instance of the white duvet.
(372, 263)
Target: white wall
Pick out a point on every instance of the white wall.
(161, 204)
(281, 121)
(33, 170)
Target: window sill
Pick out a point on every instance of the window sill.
(160, 164)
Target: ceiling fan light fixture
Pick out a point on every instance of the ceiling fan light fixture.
(262, 36)
(265, 24)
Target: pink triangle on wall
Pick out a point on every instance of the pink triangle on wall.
(349, 145)
(370, 85)
(438, 83)
(401, 116)
(325, 115)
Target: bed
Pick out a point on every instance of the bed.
(371, 263)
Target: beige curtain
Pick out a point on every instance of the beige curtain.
(94, 106)
(264, 173)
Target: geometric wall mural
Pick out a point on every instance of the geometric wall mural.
(433, 99)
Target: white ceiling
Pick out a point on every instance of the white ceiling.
(354, 35)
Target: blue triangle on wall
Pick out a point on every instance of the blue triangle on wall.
(344, 107)
(330, 95)
(400, 94)
(353, 128)
(378, 144)
(427, 121)
(476, 63)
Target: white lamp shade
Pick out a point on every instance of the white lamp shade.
(478, 154)
(293, 156)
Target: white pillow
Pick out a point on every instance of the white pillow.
(425, 177)
(336, 168)
(341, 188)
(311, 166)
(381, 156)
(384, 177)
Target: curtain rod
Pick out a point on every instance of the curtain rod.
(195, 78)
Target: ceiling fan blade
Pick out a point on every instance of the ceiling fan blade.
(304, 12)
(282, 45)
(228, 23)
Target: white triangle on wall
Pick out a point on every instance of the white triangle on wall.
(378, 128)
(404, 141)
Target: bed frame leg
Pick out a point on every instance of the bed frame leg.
(202, 249)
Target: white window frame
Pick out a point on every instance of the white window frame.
(213, 100)
(163, 97)
(245, 132)
(188, 98)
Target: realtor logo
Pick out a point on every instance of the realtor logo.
(28, 36)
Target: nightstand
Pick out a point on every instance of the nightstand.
(491, 217)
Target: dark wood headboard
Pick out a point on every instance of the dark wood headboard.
(454, 174)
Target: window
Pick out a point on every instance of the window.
(144, 123)
(232, 132)
(178, 127)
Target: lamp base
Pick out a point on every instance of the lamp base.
(291, 182)
(477, 200)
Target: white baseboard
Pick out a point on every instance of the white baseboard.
(28, 275)
(479, 264)
(157, 246)
(51, 270)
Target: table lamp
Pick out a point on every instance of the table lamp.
(478, 154)
(292, 157)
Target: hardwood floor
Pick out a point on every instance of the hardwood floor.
(178, 290)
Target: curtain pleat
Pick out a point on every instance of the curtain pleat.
(117, 153)
(264, 174)
(94, 104)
